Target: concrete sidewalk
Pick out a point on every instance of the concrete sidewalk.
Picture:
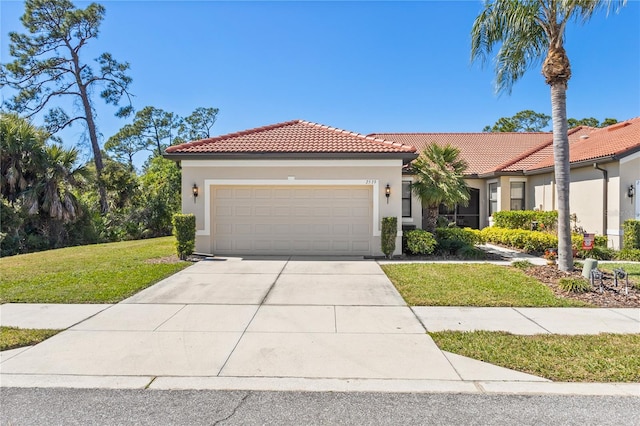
(290, 324)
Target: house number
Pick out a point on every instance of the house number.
(371, 181)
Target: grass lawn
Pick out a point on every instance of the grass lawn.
(12, 337)
(101, 273)
(593, 358)
(432, 284)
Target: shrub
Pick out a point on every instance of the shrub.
(470, 252)
(467, 235)
(521, 219)
(530, 241)
(631, 236)
(388, 235)
(574, 285)
(522, 264)
(184, 229)
(420, 241)
(629, 254)
(598, 253)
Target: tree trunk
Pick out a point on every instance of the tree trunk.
(431, 221)
(562, 173)
(93, 135)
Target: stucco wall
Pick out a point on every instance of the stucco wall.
(586, 198)
(367, 172)
(629, 176)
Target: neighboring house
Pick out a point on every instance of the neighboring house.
(291, 188)
(304, 188)
(514, 171)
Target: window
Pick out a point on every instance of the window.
(517, 196)
(406, 199)
(493, 198)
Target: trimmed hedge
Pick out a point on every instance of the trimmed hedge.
(184, 229)
(420, 241)
(629, 254)
(631, 236)
(531, 241)
(388, 235)
(521, 219)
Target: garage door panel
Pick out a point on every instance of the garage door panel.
(292, 220)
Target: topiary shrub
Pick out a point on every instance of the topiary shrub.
(388, 235)
(631, 234)
(420, 241)
(574, 285)
(184, 229)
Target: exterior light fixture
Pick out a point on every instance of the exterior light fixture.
(387, 192)
(630, 191)
(195, 192)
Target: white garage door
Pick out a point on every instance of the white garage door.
(302, 220)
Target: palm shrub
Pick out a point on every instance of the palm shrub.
(388, 235)
(420, 241)
(439, 179)
(184, 229)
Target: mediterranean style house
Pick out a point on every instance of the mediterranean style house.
(307, 189)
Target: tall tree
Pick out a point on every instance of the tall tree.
(48, 66)
(591, 122)
(439, 174)
(523, 121)
(152, 129)
(527, 31)
(198, 125)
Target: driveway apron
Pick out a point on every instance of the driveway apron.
(280, 317)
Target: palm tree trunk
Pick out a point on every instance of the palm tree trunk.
(562, 173)
(431, 220)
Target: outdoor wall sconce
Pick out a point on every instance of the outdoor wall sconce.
(195, 192)
(630, 191)
(387, 192)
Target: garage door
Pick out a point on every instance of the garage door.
(303, 220)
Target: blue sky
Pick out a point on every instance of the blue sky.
(362, 66)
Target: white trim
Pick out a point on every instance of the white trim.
(614, 232)
(208, 183)
(291, 163)
(518, 179)
(631, 157)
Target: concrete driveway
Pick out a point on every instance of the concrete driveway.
(277, 318)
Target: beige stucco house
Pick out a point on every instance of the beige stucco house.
(308, 189)
(291, 188)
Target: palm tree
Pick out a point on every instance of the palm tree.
(20, 153)
(526, 31)
(439, 174)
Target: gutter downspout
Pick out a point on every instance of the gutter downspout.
(605, 197)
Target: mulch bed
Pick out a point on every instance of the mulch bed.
(611, 296)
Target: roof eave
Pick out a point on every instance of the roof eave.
(574, 165)
(406, 157)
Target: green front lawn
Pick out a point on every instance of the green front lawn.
(433, 284)
(13, 337)
(101, 273)
(633, 269)
(593, 358)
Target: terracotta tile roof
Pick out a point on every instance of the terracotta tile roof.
(483, 152)
(540, 152)
(295, 136)
(612, 141)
